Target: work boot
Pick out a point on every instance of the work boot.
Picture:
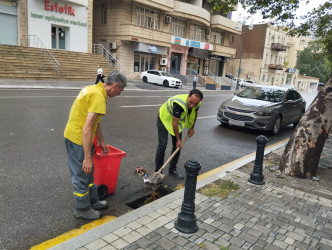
(89, 214)
(99, 205)
(176, 175)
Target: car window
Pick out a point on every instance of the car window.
(291, 95)
(164, 73)
(264, 94)
(150, 72)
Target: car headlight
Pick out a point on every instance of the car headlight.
(223, 106)
(264, 113)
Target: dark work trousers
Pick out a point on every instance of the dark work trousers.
(194, 84)
(162, 144)
(99, 77)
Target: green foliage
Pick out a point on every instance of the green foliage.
(312, 62)
(221, 191)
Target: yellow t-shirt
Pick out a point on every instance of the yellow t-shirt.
(91, 99)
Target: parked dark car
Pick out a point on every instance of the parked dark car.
(263, 107)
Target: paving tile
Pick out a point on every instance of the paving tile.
(97, 244)
(120, 244)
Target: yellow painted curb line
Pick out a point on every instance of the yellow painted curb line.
(73, 233)
(227, 165)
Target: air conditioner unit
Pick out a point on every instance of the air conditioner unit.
(113, 55)
(208, 31)
(113, 45)
(163, 61)
(207, 37)
(168, 19)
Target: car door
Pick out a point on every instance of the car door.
(289, 108)
(299, 106)
(159, 78)
(152, 76)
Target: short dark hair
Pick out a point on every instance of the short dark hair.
(196, 92)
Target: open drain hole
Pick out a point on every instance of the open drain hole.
(160, 191)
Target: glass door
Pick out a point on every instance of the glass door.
(58, 38)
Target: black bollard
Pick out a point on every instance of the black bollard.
(257, 176)
(186, 221)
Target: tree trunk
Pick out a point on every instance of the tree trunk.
(303, 150)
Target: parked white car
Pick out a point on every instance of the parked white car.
(248, 83)
(160, 78)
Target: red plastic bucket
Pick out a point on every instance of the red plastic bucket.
(107, 167)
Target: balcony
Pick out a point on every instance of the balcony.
(275, 66)
(223, 23)
(164, 5)
(278, 47)
(131, 32)
(193, 12)
(220, 50)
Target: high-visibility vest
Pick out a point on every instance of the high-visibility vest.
(166, 113)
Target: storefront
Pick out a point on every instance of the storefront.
(188, 56)
(148, 56)
(216, 65)
(8, 23)
(61, 24)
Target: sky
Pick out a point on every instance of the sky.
(303, 9)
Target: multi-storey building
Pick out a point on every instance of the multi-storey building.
(177, 36)
(63, 24)
(268, 55)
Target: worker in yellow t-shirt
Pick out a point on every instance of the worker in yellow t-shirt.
(83, 124)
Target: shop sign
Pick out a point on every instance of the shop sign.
(191, 43)
(153, 49)
(68, 10)
(290, 70)
(58, 20)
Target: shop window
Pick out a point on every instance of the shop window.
(147, 18)
(196, 32)
(178, 27)
(144, 62)
(103, 13)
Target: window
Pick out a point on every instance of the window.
(232, 39)
(196, 32)
(103, 13)
(147, 18)
(178, 27)
(217, 37)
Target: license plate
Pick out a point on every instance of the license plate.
(236, 123)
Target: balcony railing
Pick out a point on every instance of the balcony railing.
(278, 47)
(275, 66)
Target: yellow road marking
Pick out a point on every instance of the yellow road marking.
(73, 233)
(227, 165)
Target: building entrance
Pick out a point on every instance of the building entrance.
(175, 63)
(58, 38)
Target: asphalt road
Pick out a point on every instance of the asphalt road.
(36, 202)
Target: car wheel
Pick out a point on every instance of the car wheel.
(145, 79)
(166, 84)
(300, 116)
(276, 126)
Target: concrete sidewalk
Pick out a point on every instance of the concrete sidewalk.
(254, 217)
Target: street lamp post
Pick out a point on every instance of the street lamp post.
(241, 24)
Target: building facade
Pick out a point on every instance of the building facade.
(181, 37)
(268, 55)
(56, 24)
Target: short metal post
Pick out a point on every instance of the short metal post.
(257, 176)
(186, 221)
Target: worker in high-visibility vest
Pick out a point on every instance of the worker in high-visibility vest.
(83, 124)
(174, 115)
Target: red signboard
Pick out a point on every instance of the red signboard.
(68, 10)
